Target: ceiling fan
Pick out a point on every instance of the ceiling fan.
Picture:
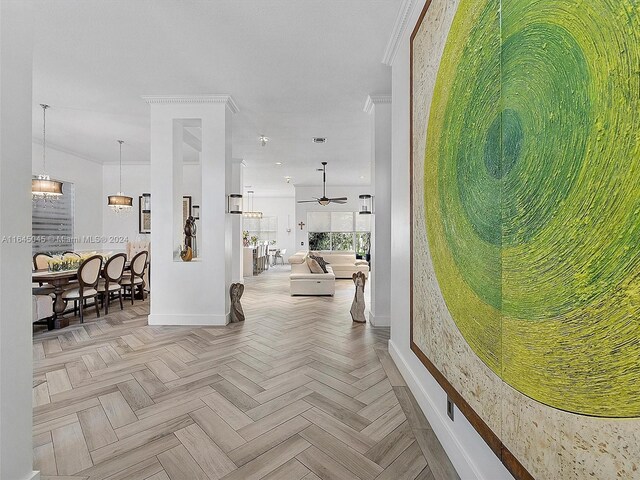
(324, 201)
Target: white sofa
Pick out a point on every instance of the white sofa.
(303, 282)
(344, 264)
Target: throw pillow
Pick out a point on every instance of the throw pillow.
(314, 267)
(321, 262)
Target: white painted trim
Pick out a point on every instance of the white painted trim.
(400, 26)
(460, 458)
(379, 321)
(374, 100)
(188, 319)
(35, 475)
(182, 99)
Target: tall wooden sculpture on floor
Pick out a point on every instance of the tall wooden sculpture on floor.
(235, 291)
(357, 307)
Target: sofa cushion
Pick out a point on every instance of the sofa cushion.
(321, 261)
(314, 266)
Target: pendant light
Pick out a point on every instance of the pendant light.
(42, 187)
(120, 202)
(251, 213)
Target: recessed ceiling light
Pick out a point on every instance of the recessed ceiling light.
(263, 140)
(362, 177)
(319, 140)
(278, 163)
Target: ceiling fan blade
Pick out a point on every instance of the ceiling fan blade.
(307, 201)
(340, 202)
(339, 198)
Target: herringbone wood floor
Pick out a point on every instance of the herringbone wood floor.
(296, 391)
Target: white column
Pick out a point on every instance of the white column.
(379, 109)
(196, 292)
(236, 186)
(16, 53)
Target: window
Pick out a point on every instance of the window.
(319, 241)
(265, 228)
(52, 223)
(339, 231)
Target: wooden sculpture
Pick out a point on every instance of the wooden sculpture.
(357, 307)
(190, 232)
(235, 291)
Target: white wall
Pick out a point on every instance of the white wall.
(136, 180)
(469, 453)
(87, 177)
(285, 209)
(16, 43)
(308, 192)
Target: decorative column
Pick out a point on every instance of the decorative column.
(379, 109)
(16, 368)
(196, 292)
(237, 186)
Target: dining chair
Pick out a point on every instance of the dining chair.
(136, 278)
(280, 255)
(88, 276)
(70, 253)
(41, 261)
(110, 283)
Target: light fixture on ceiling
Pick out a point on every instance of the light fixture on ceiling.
(319, 139)
(251, 213)
(42, 187)
(120, 202)
(288, 179)
(263, 140)
(279, 164)
(324, 200)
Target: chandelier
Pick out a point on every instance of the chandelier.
(251, 213)
(120, 202)
(42, 187)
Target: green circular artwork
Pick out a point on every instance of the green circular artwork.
(532, 196)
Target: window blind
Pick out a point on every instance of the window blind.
(52, 223)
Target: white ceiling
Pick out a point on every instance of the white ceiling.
(296, 68)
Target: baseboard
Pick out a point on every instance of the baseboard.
(35, 475)
(379, 320)
(188, 319)
(460, 458)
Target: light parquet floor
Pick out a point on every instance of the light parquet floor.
(296, 391)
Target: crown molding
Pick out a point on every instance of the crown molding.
(188, 99)
(400, 26)
(374, 100)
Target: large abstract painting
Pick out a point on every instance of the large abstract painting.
(526, 205)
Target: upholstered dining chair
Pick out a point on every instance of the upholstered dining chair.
(88, 276)
(110, 282)
(136, 277)
(280, 255)
(41, 262)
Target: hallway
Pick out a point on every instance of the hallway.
(296, 391)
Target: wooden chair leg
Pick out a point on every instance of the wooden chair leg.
(106, 305)
(132, 290)
(95, 302)
(81, 311)
(120, 298)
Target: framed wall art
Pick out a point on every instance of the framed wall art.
(525, 274)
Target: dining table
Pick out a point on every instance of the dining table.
(58, 280)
